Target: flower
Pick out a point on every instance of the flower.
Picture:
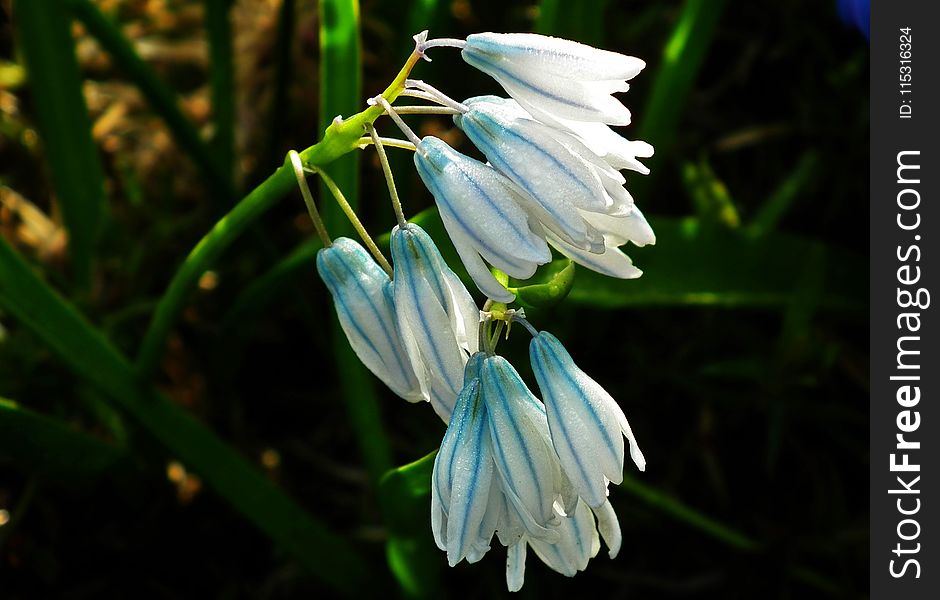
(362, 297)
(555, 78)
(497, 471)
(587, 426)
(483, 215)
(575, 194)
(437, 317)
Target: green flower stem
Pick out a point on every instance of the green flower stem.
(389, 177)
(301, 176)
(340, 138)
(354, 220)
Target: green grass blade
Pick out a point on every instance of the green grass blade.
(341, 94)
(581, 21)
(89, 355)
(55, 83)
(675, 509)
(681, 61)
(780, 201)
(222, 84)
(161, 99)
(51, 449)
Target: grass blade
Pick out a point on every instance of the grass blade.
(222, 84)
(681, 61)
(83, 349)
(51, 449)
(56, 89)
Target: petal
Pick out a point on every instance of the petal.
(631, 227)
(515, 566)
(579, 543)
(609, 527)
(563, 58)
(612, 262)
(476, 268)
(585, 431)
(475, 198)
(421, 295)
(524, 460)
(367, 315)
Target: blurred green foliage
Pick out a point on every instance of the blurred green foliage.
(740, 356)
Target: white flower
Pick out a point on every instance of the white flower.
(555, 77)
(587, 426)
(362, 297)
(483, 216)
(577, 195)
(437, 317)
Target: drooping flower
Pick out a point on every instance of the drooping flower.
(483, 215)
(437, 317)
(362, 296)
(577, 195)
(587, 426)
(463, 515)
(553, 77)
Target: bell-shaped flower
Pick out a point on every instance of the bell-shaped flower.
(462, 519)
(531, 476)
(587, 426)
(578, 195)
(557, 172)
(437, 317)
(555, 77)
(362, 296)
(484, 217)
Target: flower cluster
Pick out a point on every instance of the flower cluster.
(553, 172)
(531, 472)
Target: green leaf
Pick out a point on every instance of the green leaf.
(83, 349)
(681, 61)
(559, 278)
(51, 449)
(55, 83)
(412, 554)
(691, 265)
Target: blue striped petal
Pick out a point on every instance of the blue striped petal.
(436, 315)
(578, 545)
(525, 461)
(587, 426)
(367, 314)
(481, 213)
(554, 77)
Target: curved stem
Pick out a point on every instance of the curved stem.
(426, 110)
(298, 167)
(388, 143)
(389, 178)
(419, 94)
(380, 101)
(340, 138)
(439, 95)
(354, 219)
